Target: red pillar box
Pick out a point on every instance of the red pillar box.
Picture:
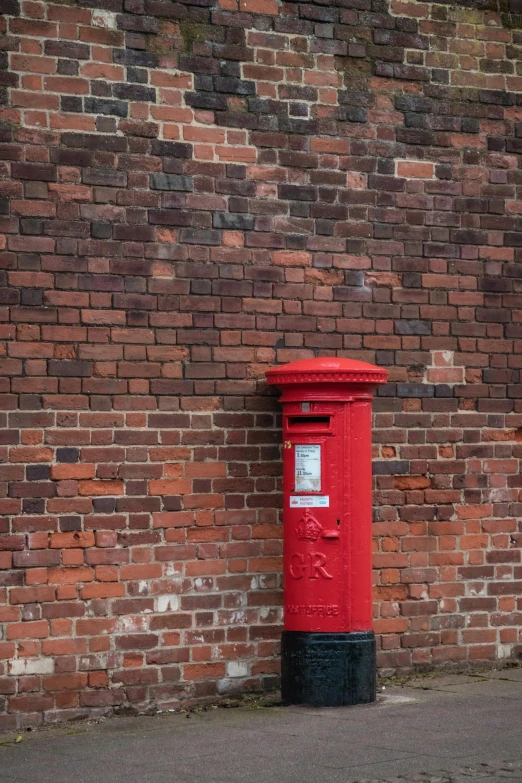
(328, 646)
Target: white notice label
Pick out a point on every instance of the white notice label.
(307, 501)
(308, 468)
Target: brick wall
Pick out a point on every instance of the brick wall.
(191, 192)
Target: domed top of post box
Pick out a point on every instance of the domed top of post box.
(326, 370)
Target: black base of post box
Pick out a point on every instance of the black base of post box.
(328, 669)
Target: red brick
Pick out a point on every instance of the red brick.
(259, 6)
(203, 671)
(65, 682)
(64, 646)
(65, 471)
(104, 590)
(29, 630)
(75, 539)
(100, 488)
(417, 168)
(144, 571)
(29, 595)
(70, 575)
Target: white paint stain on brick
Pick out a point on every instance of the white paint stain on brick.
(237, 669)
(443, 369)
(31, 666)
(198, 639)
(203, 584)
(92, 663)
(166, 603)
(501, 495)
(105, 19)
(504, 651)
(132, 624)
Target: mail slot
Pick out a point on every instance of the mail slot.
(306, 421)
(328, 646)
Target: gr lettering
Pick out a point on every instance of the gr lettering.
(312, 565)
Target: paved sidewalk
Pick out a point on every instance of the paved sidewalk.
(451, 729)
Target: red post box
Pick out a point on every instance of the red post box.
(328, 646)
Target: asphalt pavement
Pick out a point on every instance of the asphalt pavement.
(457, 728)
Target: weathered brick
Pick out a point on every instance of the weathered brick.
(171, 149)
(70, 49)
(170, 234)
(106, 106)
(34, 171)
(70, 368)
(171, 182)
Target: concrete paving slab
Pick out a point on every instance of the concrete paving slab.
(509, 675)
(413, 733)
(444, 681)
